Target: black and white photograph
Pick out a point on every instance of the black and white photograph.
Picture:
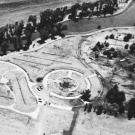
(67, 67)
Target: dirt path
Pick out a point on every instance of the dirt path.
(73, 123)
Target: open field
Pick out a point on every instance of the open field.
(55, 120)
(53, 56)
(6, 98)
(15, 124)
(65, 67)
(91, 124)
(120, 76)
(17, 90)
(69, 58)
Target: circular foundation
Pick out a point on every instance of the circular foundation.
(68, 83)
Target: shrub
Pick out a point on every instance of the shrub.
(86, 95)
(112, 49)
(106, 52)
(98, 44)
(102, 46)
(131, 108)
(39, 79)
(115, 54)
(115, 96)
(132, 48)
(106, 44)
(111, 36)
(99, 27)
(127, 37)
(126, 46)
(95, 48)
(106, 37)
(110, 56)
(96, 55)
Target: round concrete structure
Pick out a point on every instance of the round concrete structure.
(69, 83)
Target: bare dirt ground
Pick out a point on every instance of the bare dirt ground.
(119, 76)
(18, 90)
(15, 124)
(57, 120)
(56, 55)
(53, 118)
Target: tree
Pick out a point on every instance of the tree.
(39, 79)
(28, 33)
(121, 109)
(131, 109)
(89, 107)
(105, 11)
(4, 47)
(44, 34)
(112, 49)
(126, 46)
(106, 44)
(73, 11)
(121, 97)
(106, 52)
(114, 96)
(33, 19)
(107, 37)
(112, 36)
(132, 48)
(47, 18)
(85, 107)
(98, 47)
(111, 95)
(95, 48)
(115, 54)
(127, 37)
(99, 110)
(91, 6)
(96, 55)
(99, 27)
(86, 95)
(60, 29)
(18, 30)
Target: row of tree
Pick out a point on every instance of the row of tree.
(105, 50)
(113, 104)
(19, 35)
(102, 7)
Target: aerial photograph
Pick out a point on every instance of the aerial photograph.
(67, 67)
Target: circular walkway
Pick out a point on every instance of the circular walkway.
(69, 83)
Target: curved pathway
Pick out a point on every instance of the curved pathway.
(21, 96)
(80, 81)
(33, 86)
(13, 79)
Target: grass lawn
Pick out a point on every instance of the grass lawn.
(127, 18)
